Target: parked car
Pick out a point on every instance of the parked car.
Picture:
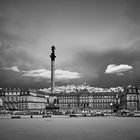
(136, 113)
(75, 115)
(47, 115)
(18, 113)
(99, 113)
(15, 117)
(124, 112)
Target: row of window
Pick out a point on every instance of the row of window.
(36, 106)
(132, 105)
(94, 101)
(97, 101)
(65, 101)
(67, 105)
(103, 97)
(93, 106)
(15, 99)
(14, 93)
(26, 106)
(131, 91)
(98, 96)
(23, 98)
(131, 97)
(19, 106)
(69, 97)
(85, 97)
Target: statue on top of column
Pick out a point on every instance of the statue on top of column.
(53, 53)
(53, 49)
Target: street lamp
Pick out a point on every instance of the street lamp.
(111, 104)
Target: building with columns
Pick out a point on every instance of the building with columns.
(27, 99)
(23, 99)
(87, 101)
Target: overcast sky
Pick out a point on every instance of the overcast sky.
(97, 42)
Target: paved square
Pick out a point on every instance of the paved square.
(61, 128)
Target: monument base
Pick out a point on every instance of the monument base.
(52, 106)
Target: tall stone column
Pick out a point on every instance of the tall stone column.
(52, 97)
(52, 56)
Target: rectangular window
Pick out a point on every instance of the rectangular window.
(130, 90)
(134, 97)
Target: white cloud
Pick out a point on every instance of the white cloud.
(41, 73)
(59, 74)
(118, 69)
(14, 68)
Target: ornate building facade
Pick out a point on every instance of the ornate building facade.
(68, 101)
(21, 99)
(130, 98)
(18, 99)
(87, 101)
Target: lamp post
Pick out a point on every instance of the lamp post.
(111, 104)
